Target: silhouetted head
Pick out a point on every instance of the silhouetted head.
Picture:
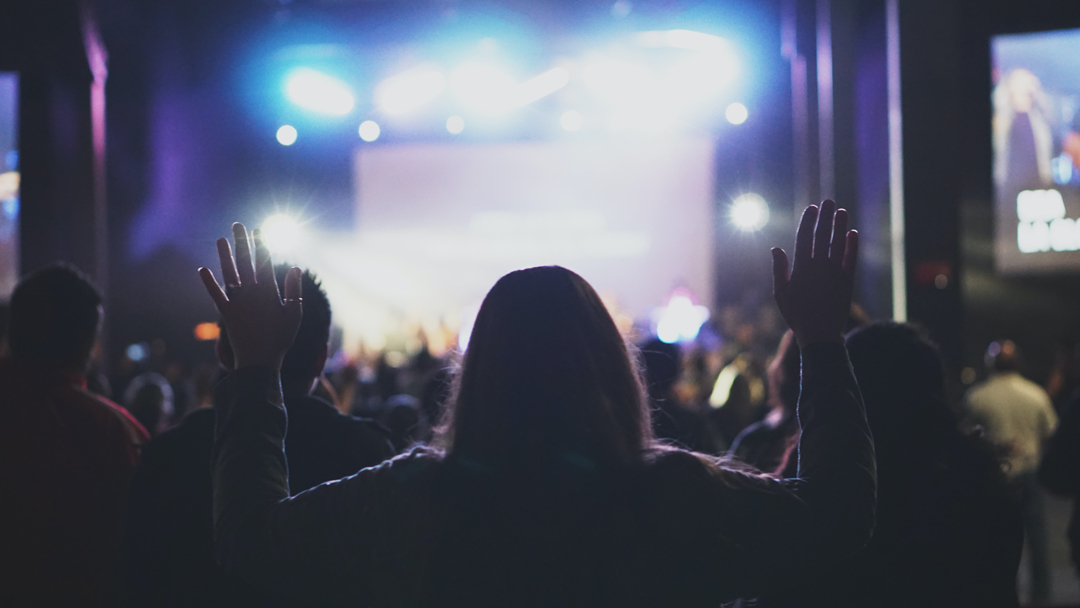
(149, 398)
(1003, 356)
(901, 377)
(546, 375)
(662, 365)
(306, 357)
(54, 318)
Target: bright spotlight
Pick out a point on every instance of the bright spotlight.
(540, 86)
(683, 39)
(681, 319)
(618, 82)
(455, 124)
(281, 233)
(571, 120)
(409, 90)
(749, 212)
(318, 92)
(286, 135)
(483, 87)
(736, 113)
(369, 130)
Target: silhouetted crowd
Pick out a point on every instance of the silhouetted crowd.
(549, 464)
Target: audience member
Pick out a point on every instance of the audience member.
(1059, 470)
(769, 445)
(548, 489)
(673, 420)
(737, 399)
(149, 398)
(1017, 417)
(948, 528)
(171, 545)
(408, 425)
(67, 455)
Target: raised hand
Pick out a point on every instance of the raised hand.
(815, 295)
(260, 326)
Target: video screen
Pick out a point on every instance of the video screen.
(9, 183)
(439, 223)
(1036, 143)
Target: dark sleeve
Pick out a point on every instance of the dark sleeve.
(1059, 470)
(776, 531)
(369, 444)
(147, 534)
(310, 546)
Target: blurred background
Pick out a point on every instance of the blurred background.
(410, 152)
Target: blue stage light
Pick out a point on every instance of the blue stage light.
(540, 86)
(483, 87)
(409, 90)
(318, 92)
(286, 135)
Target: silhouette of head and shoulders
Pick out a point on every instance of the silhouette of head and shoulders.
(172, 527)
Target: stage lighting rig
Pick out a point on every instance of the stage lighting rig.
(319, 92)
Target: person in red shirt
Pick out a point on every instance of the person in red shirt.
(66, 455)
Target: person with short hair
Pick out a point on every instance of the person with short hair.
(171, 542)
(1018, 417)
(67, 454)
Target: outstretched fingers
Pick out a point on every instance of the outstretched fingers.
(244, 269)
(839, 236)
(264, 268)
(780, 269)
(824, 229)
(212, 287)
(851, 253)
(228, 268)
(293, 291)
(804, 237)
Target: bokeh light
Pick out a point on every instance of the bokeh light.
(286, 135)
(318, 92)
(455, 124)
(749, 212)
(282, 234)
(369, 130)
(736, 113)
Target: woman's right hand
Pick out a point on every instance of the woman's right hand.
(814, 296)
(260, 326)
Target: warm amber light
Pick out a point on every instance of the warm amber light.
(207, 331)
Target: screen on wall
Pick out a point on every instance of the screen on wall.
(439, 223)
(1036, 143)
(9, 183)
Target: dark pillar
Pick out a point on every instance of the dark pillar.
(62, 164)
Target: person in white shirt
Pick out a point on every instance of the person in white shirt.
(1017, 416)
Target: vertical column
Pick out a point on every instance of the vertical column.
(826, 151)
(896, 162)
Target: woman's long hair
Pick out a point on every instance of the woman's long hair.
(546, 375)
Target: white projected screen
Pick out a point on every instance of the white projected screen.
(438, 224)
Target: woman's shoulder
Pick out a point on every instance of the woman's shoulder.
(720, 471)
